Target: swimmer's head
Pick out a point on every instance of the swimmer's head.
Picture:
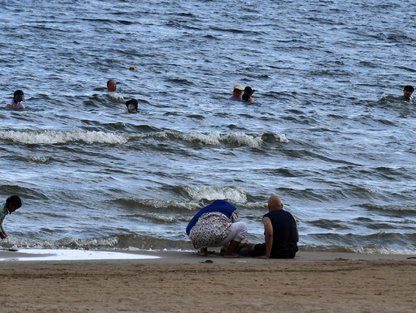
(407, 92)
(18, 96)
(249, 91)
(111, 85)
(132, 105)
(13, 203)
(238, 90)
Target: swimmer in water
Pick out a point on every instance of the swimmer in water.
(16, 102)
(237, 92)
(132, 105)
(111, 85)
(407, 92)
(112, 93)
(248, 95)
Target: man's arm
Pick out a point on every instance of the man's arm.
(268, 235)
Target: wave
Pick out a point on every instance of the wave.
(50, 137)
(235, 195)
(123, 241)
(237, 139)
(145, 242)
(328, 195)
(59, 137)
(39, 159)
(358, 250)
(395, 210)
(376, 241)
(329, 224)
(24, 192)
(154, 205)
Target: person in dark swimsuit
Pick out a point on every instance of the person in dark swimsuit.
(248, 95)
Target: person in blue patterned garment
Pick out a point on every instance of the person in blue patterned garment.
(216, 225)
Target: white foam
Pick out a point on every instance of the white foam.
(212, 193)
(382, 250)
(242, 139)
(282, 138)
(75, 255)
(216, 138)
(207, 139)
(56, 137)
(238, 139)
(38, 159)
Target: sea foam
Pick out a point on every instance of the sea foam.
(60, 137)
(212, 193)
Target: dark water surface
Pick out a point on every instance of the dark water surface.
(93, 176)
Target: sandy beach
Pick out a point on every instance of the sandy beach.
(184, 282)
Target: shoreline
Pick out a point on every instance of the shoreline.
(180, 257)
(185, 282)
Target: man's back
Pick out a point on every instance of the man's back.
(285, 234)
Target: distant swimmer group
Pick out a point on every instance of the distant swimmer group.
(242, 94)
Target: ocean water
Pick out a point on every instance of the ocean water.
(325, 133)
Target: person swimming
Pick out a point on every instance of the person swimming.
(132, 105)
(248, 95)
(16, 102)
(237, 92)
(112, 93)
(407, 93)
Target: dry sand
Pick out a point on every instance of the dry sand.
(182, 282)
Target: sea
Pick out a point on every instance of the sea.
(328, 132)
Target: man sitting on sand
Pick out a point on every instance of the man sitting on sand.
(11, 205)
(407, 93)
(16, 102)
(237, 93)
(280, 233)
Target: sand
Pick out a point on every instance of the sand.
(183, 282)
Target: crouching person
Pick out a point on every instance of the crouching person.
(216, 226)
(280, 233)
(11, 205)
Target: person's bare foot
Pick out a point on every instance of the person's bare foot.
(203, 252)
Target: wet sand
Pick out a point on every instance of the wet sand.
(184, 282)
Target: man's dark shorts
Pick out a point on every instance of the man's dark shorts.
(260, 249)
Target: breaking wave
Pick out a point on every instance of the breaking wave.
(236, 195)
(51, 137)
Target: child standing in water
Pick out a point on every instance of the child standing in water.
(11, 205)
